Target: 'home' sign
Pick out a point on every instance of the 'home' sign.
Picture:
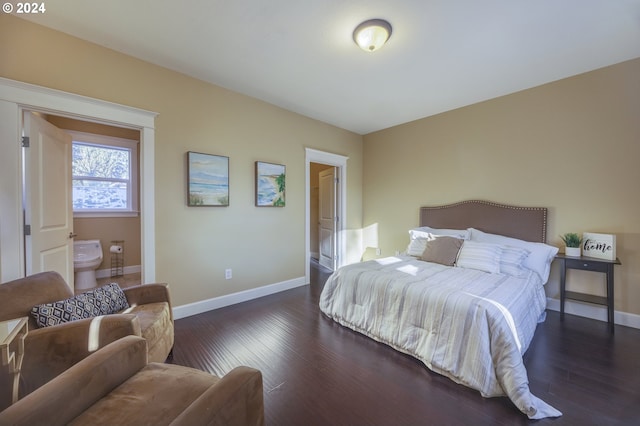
(602, 246)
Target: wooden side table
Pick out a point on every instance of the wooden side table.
(588, 264)
(12, 334)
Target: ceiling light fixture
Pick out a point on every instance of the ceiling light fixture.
(371, 35)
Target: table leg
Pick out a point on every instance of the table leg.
(610, 310)
(563, 279)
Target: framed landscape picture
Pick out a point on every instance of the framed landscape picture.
(208, 180)
(270, 184)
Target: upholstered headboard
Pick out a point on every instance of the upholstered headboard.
(525, 223)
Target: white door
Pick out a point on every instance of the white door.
(328, 218)
(48, 198)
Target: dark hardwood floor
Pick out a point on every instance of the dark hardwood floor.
(317, 372)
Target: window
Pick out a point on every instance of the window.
(105, 175)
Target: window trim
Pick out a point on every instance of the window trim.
(112, 141)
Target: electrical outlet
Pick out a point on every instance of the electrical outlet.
(227, 274)
(378, 252)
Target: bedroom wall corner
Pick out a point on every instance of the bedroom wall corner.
(518, 149)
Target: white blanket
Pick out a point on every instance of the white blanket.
(468, 325)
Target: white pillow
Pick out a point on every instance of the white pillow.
(417, 246)
(540, 257)
(418, 238)
(481, 256)
(512, 260)
(458, 233)
(417, 233)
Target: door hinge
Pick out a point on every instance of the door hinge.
(27, 230)
(25, 141)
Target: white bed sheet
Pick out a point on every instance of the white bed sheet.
(468, 325)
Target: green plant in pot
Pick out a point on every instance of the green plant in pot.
(572, 242)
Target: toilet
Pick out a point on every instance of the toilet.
(87, 256)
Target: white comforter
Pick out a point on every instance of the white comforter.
(468, 325)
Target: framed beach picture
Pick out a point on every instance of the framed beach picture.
(208, 180)
(270, 184)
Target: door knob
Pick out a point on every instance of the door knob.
(72, 235)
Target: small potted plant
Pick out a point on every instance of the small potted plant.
(572, 244)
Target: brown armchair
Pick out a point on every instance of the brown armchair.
(51, 350)
(116, 386)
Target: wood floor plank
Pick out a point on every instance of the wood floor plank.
(317, 372)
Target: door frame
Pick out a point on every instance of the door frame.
(16, 96)
(340, 162)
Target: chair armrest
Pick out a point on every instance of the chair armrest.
(147, 293)
(70, 394)
(235, 400)
(51, 350)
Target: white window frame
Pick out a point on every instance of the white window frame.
(110, 141)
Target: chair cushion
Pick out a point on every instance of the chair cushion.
(156, 326)
(155, 395)
(104, 300)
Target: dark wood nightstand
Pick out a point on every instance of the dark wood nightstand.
(588, 264)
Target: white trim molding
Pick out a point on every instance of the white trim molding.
(54, 101)
(595, 312)
(199, 307)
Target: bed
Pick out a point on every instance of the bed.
(465, 299)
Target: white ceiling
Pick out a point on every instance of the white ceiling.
(300, 55)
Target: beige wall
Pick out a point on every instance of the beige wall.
(107, 229)
(194, 245)
(95, 128)
(572, 146)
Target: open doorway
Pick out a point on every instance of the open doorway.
(16, 97)
(323, 215)
(325, 241)
(116, 223)
(89, 198)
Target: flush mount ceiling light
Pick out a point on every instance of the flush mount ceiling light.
(371, 35)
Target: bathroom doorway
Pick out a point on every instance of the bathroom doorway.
(15, 97)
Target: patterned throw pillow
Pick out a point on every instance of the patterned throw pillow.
(109, 299)
(105, 300)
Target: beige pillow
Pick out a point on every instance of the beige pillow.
(442, 250)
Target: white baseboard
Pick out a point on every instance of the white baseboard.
(106, 273)
(315, 255)
(231, 299)
(596, 312)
